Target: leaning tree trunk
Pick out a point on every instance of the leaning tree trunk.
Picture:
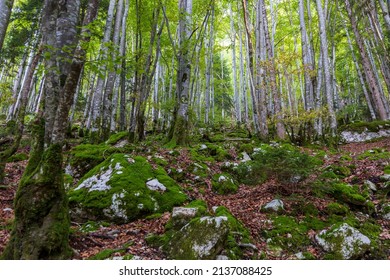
(367, 67)
(41, 226)
(5, 13)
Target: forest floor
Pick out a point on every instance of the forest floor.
(245, 205)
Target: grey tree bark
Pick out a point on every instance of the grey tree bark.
(179, 134)
(5, 13)
(326, 68)
(367, 67)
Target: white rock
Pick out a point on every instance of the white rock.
(217, 220)
(350, 242)
(221, 258)
(183, 211)
(99, 182)
(155, 185)
(202, 147)
(222, 179)
(370, 185)
(245, 157)
(300, 256)
(275, 205)
(117, 207)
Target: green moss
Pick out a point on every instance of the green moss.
(336, 208)
(68, 181)
(287, 233)
(106, 253)
(18, 157)
(192, 242)
(309, 256)
(248, 148)
(374, 126)
(374, 154)
(115, 138)
(387, 169)
(128, 182)
(339, 171)
(201, 205)
(238, 234)
(282, 162)
(224, 184)
(347, 193)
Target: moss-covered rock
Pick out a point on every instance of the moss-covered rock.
(238, 235)
(336, 208)
(122, 189)
(339, 171)
(210, 152)
(201, 239)
(343, 241)
(349, 194)
(224, 184)
(84, 157)
(117, 137)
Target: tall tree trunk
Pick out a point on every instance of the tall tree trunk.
(308, 66)
(260, 88)
(41, 226)
(326, 68)
(122, 53)
(367, 67)
(251, 72)
(179, 134)
(280, 129)
(361, 77)
(5, 13)
(237, 106)
(108, 105)
(98, 95)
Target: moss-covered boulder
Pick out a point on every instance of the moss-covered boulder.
(123, 189)
(208, 235)
(182, 216)
(364, 131)
(224, 184)
(201, 239)
(343, 242)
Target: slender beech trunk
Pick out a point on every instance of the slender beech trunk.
(108, 105)
(98, 95)
(367, 67)
(237, 106)
(361, 77)
(260, 89)
(308, 66)
(122, 53)
(280, 129)
(326, 68)
(250, 65)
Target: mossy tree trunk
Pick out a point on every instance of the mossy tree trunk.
(41, 227)
(179, 131)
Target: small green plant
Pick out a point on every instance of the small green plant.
(285, 163)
